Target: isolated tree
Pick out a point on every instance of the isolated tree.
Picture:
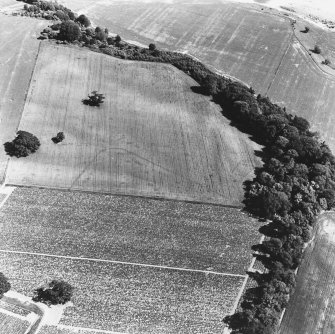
(24, 144)
(94, 100)
(58, 138)
(69, 31)
(56, 292)
(152, 47)
(306, 30)
(4, 285)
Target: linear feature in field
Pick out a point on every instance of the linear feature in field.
(122, 298)
(153, 136)
(134, 230)
(311, 308)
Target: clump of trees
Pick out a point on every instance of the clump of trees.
(58, 138)
(56, 292)
(94, 99)
(4, 285)
(24, 144)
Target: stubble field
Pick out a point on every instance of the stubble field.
(254, 45)
(153, 136)
(18, 51)
(312, 306)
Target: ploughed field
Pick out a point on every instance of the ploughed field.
(18, 51)
(137, 265)
(241, 40)
(311, 308)
(153, 136)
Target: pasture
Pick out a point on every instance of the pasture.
(18, 52)
(153, 136)
(311, 307)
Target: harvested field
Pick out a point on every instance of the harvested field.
(130, 299)
(165, 233)
(67, 330)
(153, 136)
(312, 306)
(318, 105)
(241, 40)
(18, 52)
(12, 325)
(234, 38)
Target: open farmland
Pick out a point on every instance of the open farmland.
(234, 38)
(12, 325)
(241, 40)
(319, 104)
(130, 299)
(153, 136)
(18, 51)
(137, 230)
(312, 306)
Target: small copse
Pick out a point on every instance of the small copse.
(24, 144)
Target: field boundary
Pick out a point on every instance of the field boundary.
(157, 198)
(87, 329)
(207, 272)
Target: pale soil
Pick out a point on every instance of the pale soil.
(311, 308)
(18, 51)
(153, 136)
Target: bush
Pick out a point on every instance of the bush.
(24, 144)
(4, 285)
(326, 62)
(56, 292)
(94, 100)
(69, 31)
(59, 137)
(317, 49)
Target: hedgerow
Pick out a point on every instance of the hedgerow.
(296, 181)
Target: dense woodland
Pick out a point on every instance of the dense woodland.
(295, 183)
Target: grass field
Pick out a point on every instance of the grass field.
(312, 306)
(130, 299)
(153, 136)
(12, 325)
(166, 233)
(18, 51)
